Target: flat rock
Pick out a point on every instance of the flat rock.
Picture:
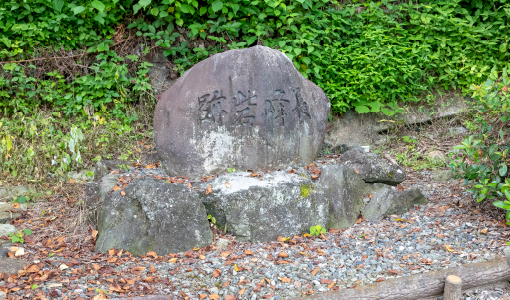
(248, 109)
(386, 200)
(152, 216)
(4, 247)
(95, 193)
(6, 214)
(12, 265)
(281, 204)
(5, 229)
(372, 168)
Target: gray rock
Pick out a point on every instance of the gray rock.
(373, 168)
(386, 200)
(222, 243)
(460, 130)
(12, 265)
(5, 229)
(341, 149)
(2, 295)
(345, 190)
(95, 193)
(365, 129)
(4, 247)
(5, 212)
(442, 175)
(282, 204)
(153, 216)
(245, 109)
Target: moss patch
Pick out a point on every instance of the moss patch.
(306, 189)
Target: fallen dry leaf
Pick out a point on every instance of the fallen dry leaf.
(225, 254)
(448, 248)
(202, 296)
(153, 254)
(172, 260)
(72, 181)
(241, 292)
(123, 193)
(15, 205)
(283, 254)
(214, 297)
(207, 192)
(483, 231)
(248, 252)
(379, 279)
(230, 297)
(202, 257)
(332, 284)
(284, 279)
(116, 188)
(153, 269)
(314, 272)
(228, 185)
(215, 274)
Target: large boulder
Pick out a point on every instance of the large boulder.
(372, 168)
(244, 109)
(255, 210)
(151, 215)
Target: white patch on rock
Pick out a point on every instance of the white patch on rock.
(240, 181)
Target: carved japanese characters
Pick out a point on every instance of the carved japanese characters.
(243, 109)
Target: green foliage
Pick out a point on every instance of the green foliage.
(18, 236)
(231, 170)
(482, 158)
(212, 219)
(107, 90)
(317, 230)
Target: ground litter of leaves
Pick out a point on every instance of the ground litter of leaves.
(447, 232)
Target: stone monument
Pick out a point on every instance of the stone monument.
(248, 109)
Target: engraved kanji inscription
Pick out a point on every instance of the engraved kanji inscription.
(211, 110)
(243, 109)
(275, 107)
(301, 105)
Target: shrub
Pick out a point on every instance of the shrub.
(482, 158)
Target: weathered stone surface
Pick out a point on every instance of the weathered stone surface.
(345, 190)
(4, 247)
(153, 216)
(373, 168)
(261, 210)
(442, 175)
(5, 229)
(364, 129)
(12, 265)
(95, 192)
(5, 212)
(386, 200)
(244, 109)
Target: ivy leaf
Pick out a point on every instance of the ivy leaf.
(144, 3)
(235, 8)
(217, 5)
(98, 5)
(155, 11)
(57, 5)
(78, 9)
(179, 22)
(202, 11)
(297, 51)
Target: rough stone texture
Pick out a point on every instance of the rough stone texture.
(386, 200)
(12, 265)
(5, 229)
(104, 167)
(222, 243)
(160, 73)
(442, 175)
(373, 168)
(5, 212)
(282, 204)
(153, 216)
(243, 109)
(95, 192)
(364, 129)
(4, 247)
(345, 190)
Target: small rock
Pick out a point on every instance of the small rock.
(222, 243)
(2, 295)
(5, 229)
(437, 155)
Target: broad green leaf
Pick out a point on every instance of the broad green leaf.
(362, 109)
(155, 11)
(217, 5)
(297, 51)
(57, 5)
(144, 3)
(503, 47)
(202, 11)
(98, 5)
(78, 9)
(503, 169)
